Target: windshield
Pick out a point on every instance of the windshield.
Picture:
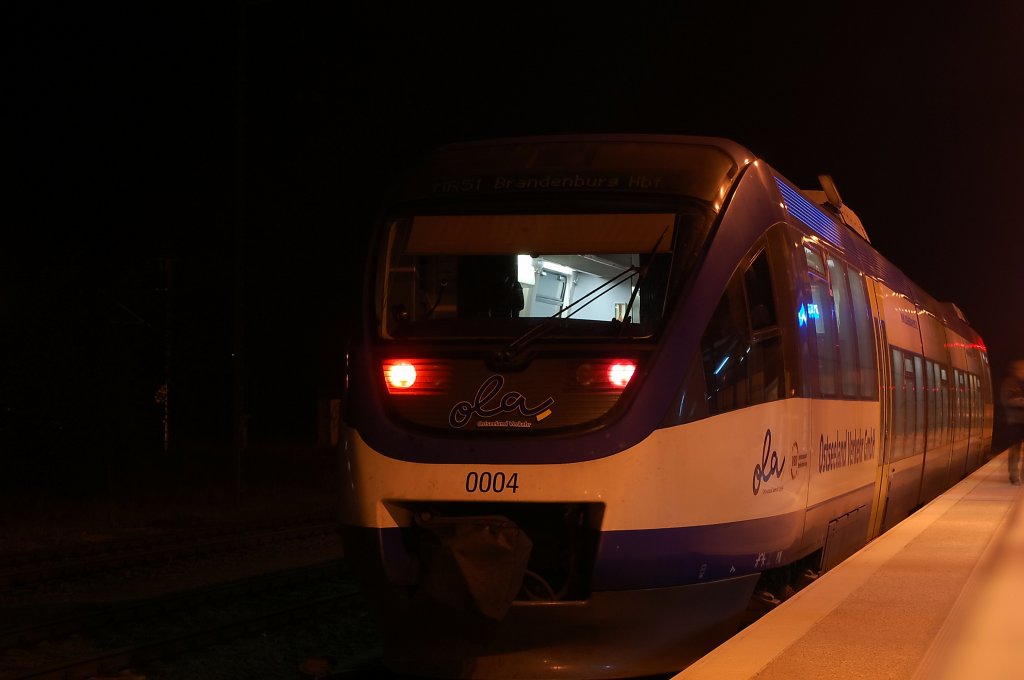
(510, 275)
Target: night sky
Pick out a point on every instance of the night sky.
(152, 149)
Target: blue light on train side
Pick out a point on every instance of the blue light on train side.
(721, 365)
(808, 213)
(812, 311)
(801, 316)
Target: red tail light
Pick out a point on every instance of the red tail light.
(607, 375)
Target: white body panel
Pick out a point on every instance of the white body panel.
(900, 314)
(722, 469)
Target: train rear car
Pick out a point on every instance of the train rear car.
(603, 389)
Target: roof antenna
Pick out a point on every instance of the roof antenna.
(831, 193)
(831, 201)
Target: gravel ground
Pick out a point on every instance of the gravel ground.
(335, 641)
(329, 645)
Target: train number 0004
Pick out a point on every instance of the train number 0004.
(492, 482)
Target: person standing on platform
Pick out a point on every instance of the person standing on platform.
(1011, 396)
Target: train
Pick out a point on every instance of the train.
(604, 391)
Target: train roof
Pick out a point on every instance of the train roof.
(739, 153)
(826, 198)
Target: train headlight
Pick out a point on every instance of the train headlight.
(416, 376)
(613, 375)
(400, 375)
(619, 373)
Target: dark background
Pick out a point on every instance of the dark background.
(188, 187)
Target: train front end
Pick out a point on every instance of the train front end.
(507, 483)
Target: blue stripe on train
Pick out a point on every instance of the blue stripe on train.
(659, 558)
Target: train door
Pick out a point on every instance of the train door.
(973, 430)
(885, 392)
(976, 418)
(961, 429)
(906, 457)
(987, 406)
(938, 449)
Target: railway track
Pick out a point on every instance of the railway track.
(41, 566)
(121, 613)
(12, 560)
(171, 630)
(131, 635)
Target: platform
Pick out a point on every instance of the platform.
(940, 596)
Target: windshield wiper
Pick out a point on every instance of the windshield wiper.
(640, 279)
(507, 353)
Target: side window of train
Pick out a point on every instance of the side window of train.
(858, 369)
(979, 412)
(742, 346)
(937, 403)
(963, 408)
(909, 398)
(865, 334)
(976, 411)
(839, 314)
(847, 332)
(920, 398)
(907, 405)
(958, 405)
(820, 320)
(946, 404)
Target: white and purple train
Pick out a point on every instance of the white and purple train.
(603, 388)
